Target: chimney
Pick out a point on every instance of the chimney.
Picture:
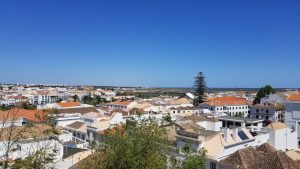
(225, 133)
(235, 133)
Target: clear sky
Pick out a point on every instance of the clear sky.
(151, 42)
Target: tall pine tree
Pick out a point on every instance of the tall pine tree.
(200, 89)
(263, 92)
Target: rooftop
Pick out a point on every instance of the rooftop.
(16, 113)
(240, 119)
(68, 104)
(121, 102)
(263, 157)
(75, 125)
(27, 132)
(294, 97)
(227, 101)
(199, 118)
(277, 126)
(277, 107)
(81, 110)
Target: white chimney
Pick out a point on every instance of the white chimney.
(235, 133)
(225, 133)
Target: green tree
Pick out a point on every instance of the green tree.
(87, 99)
(135, 146)
(4, 108)
(263, 92)
(42, 154)
(27, 106)
(200, 89)
(41, 159)
(195, 160)
(75, 98)
(98, 100)
(168, 118)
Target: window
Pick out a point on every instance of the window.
(213, 165)
(267, 117)
(217, 108)
(267, 111)
(257, 110)
(257, 116)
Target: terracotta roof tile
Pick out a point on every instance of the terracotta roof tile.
(294, 96)
(277, 126)
(76, 125)
(259, 158)
(227, 100)
(121, 102)
(32, 115)
(81, 110)
(25, 132)
(68, 104)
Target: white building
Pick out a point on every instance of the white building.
(65, 119)
(272, 99)
(92, 125)
(230, 105)
(63, 105)
(33, 139)
(268, 112)
(249, 123)
(282, 137)
(270, 108)
(183, 111)
(120, 104)
(7, 102)
(219, 144)
(292, 113)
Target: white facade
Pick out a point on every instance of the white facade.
(292, 116)
(251, 124)
(42, 99)
(270, 113)
(272, 99)
(8, 123)
(231, 110)
(221, 145)
(62, 120)
(27, 147)
(283, 139)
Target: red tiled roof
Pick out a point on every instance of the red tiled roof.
(112, 131)
(68, 104)
(227, 100)
(43, 92)
(121, 102)
(294, 97)
(32, 115)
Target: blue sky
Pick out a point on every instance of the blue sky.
(151, 42)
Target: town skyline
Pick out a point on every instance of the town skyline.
(158, 44)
